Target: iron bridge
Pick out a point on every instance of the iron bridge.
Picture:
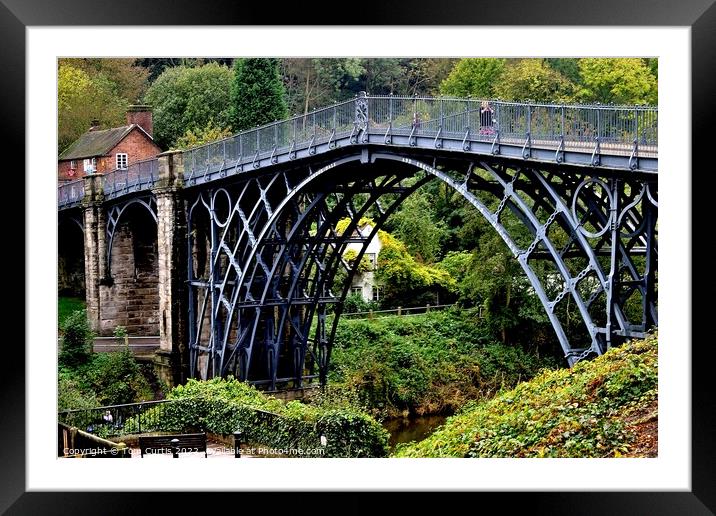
(571, 189)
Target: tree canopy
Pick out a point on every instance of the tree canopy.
(186, 98)
(533, 80)
(617, 81)
(81, 98)
(474, 77)
(257, 93)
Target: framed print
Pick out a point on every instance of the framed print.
(37, 34)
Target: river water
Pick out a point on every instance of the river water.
(403, 430)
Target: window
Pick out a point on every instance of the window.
(356, 291)
(121, 159)
(90, 165)
(376, 293)
(371, 257)
(73, 165)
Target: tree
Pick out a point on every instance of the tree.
(567, 66)
(425, 75)
(617, 81)
(414, 225)
(186, 98)
(473, 77)
(128, 80)
(82, 98)
(532, 79)
(406, 281)
(207, 134)
(257, 93)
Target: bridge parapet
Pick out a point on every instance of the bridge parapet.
(629, 133)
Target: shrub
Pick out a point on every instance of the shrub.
(424, 364)
(223, 406)
(117, 378)
(77, 338)
(71, 395)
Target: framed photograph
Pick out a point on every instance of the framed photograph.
(40, 38)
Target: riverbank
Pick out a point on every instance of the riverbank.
(606, 407)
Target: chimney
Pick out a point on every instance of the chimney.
(141, 114)
(94, 125)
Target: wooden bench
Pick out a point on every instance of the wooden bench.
(174, 444)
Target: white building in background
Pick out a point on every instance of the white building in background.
(364, 282)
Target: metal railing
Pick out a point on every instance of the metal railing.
(71, 193)
(622, 130)
(619, 129)
(140, 175)
(116, 420)
(149, 416)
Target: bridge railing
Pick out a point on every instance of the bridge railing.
(140, 175)
(71, 193)
(620, 129)
(247, 147)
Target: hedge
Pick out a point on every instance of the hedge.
(223, 406)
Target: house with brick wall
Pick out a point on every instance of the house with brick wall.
(103, 150)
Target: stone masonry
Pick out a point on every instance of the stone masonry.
(144, 291)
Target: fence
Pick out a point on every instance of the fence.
(624, 129)
(139, 175)
(400, 311)
(71, 193)
(116, 420)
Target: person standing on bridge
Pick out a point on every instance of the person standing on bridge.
(486, 118)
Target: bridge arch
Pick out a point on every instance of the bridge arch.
(129, 290)
(70, 257)
(282, 248)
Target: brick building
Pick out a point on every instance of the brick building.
(103, 150)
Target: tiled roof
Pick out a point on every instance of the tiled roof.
(96, 143)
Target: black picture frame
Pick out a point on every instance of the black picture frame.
(699, 15)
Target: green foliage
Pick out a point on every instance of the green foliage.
(423, 364)
(405, 279)
(580, 412)
(413, 224)
(617, 81)
(76, 341)
(476, 77)
(81, 98)
(186, 98)
(202, 135)
(71, 394)
(128, 81)
(66, 306)
(351, 255)
(223, 406)
(86, 377)
(355, 303)
(457, 264)
(116, 378)
(257, 93)
(566, 66)
(533, 80)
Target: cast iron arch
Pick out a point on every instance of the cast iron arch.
(502, 187)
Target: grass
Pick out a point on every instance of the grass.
(67, 305)
(606, 407)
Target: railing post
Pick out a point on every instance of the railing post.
(238, 437)
(175, 448)
(400, 310)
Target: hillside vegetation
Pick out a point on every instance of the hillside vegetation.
(425, 364)
(606, 407)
